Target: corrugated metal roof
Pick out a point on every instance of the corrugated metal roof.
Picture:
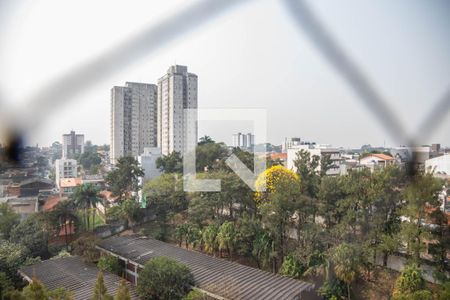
(73, 274)
(218, 276)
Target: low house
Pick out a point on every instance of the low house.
(375, 160)
(66, 185)
(219, 278)
(281, 157)
(74, 275)
(24, 206)
(28, 187)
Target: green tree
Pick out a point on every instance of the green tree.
(410, 285)
(86, 198)
(234, 199)
(326, 163)
(331, 192)
(333, 289)
(264, 250)
(205, 140)
(248, 227)
(12, 256)
(444, 291)
(5, 284)
(100, 291)
(387, 185)
(292, 267)
(346, 260)
(164, 279)
(209, 154)
(190, 233)
(421, 195)
(89, 160)
(122, 291)
(84, 246)
(32, 233)
(65, 217)
(196, 295)
(165, 196)
(124, 179)
(307, 168)
(226, 238)
(282, 206)
(110, 264)
(209, 238)
(171, 163)
(8, 219)
(131, 211)
(35, 291)
(180, 232)
(60, 294)
(441, 234)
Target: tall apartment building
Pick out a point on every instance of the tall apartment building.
(72, 144)
(244, 141)
(177, 90)
(133, 119)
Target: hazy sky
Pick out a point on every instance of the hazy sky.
(250, 57)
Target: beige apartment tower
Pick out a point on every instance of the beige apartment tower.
(177, 90)
(133, 119)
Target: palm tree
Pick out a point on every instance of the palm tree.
(209, 238)
(86, 197)
(264, 250)
(346, 261)
(226, 238)
(65, 215)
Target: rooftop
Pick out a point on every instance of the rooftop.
(52, 201)
(70, 182)
(73, 274)
(380, 156)
(217, 276)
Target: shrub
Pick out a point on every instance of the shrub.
(333, 289)
(110, 264)
(410, 285)
(84, 246)
(292, 267)
(196, 295)
(164, 279)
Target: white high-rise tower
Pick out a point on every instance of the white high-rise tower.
(133, 119)
(177, 90)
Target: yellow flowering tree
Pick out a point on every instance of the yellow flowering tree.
(274, 178)
(279, 205)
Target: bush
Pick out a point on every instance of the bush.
(333, 289)
(5, 284)
(161, 234)
(444, 291)
(110, 263)
(113, 214)
(32, 235)
(410, 285)
(196, 295)
(164, 279)
(12, 257)
(84, 246)
(62, 253)
(292, 267)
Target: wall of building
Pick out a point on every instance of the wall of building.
(440, 164)
(65, 168)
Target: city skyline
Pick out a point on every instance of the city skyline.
(301, 92)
